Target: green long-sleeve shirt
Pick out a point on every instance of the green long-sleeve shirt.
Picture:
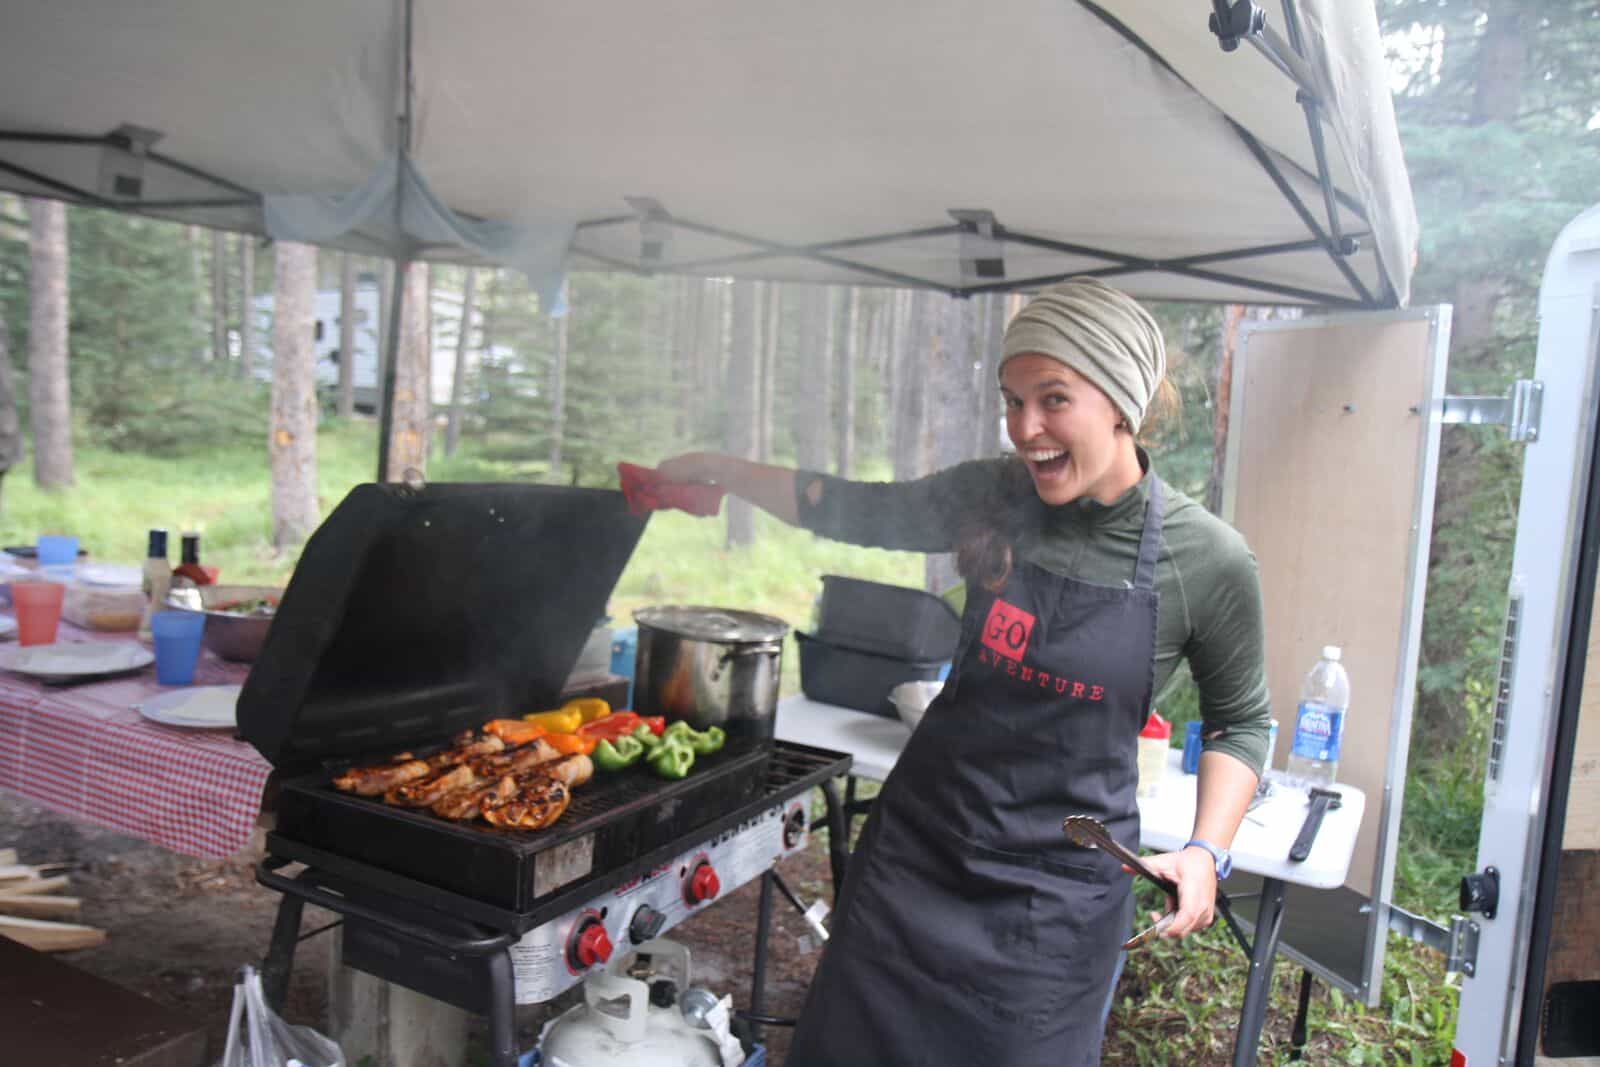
(1210, 595)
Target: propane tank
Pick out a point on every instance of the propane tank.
(618, 1026)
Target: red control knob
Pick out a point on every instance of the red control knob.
(590, 946)
(703, 884)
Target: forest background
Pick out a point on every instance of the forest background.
(137, 383)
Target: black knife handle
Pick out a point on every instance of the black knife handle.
(1308, 830)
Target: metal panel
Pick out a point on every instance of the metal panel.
(1351, 403)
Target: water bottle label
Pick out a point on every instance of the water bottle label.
(1318, 730)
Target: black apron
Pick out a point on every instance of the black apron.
(969, 930)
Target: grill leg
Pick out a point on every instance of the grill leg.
(838, 836)
(758, 978)
(502, 1010)
(275, 969)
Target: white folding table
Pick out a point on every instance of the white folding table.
(1166, 820)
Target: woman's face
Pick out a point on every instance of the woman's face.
(1065, 430)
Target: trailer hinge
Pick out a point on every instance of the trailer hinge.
(1518, 411)
(1458, 942)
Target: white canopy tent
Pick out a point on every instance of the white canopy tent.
(960, 145)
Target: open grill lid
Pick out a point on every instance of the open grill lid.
(415, 613)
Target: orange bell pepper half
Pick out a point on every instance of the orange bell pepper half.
(514, 731)
(571, 744)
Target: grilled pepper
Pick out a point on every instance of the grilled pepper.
(617, 755)
(571, 744)
(671, 760)
(678, 728)
(657, 723)
(589, 708)
(707, 741)
(514, 731)
(617, 724)
(561, 721)
(646, 736)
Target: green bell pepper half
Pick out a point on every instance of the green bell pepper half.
(672, 759)
(615, 755)
(707, 741)
(646, 737)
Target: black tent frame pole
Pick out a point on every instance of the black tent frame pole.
(402, 264)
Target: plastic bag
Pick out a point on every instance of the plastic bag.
(257, 1037)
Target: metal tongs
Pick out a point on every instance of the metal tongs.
(1087, 832)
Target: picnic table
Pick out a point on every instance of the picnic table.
(84, 750)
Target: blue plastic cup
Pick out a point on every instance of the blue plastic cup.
(177, 640)
(1191, 748)
(53, 550)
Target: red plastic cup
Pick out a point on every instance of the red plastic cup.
(38, 608)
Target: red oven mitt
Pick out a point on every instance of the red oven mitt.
(646, 492)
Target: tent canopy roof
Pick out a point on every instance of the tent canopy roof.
(825, 142)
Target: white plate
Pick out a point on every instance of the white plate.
(82, 659)
(118, 575)
(208, 706)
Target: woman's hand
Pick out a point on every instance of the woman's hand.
(693, 468)
(1196, 874)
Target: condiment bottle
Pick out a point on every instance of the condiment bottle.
(189, 566)
(1154, 740)
(157, 579)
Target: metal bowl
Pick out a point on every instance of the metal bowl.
(230, 635)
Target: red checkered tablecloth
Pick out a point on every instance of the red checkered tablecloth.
(85, 752)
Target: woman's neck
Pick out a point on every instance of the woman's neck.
(1124, 473)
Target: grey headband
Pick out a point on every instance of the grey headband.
(1100, 332)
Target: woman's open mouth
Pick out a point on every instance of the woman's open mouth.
(1046, 461)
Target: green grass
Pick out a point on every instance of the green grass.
(1176, 1003)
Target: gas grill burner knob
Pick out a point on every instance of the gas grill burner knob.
(794, 828)
(702, 885)
(645, 924)
(589, 945)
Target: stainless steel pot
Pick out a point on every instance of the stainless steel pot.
(709, 667)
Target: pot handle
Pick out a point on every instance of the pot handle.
(773, 648)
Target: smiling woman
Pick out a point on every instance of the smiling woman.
(1088, 580)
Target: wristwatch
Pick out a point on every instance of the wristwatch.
(1223, 858)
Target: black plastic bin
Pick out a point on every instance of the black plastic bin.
(854, 678)
(891, 620)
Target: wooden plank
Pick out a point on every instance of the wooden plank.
(33, 886)
(1327, 461)
(49, 936)
(39, 907)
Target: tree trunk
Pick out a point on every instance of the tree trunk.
(1222, 402)
(691, 300)
(49, 391)
(292, 442)
(769, 369)
(347, 335)
(458, 380)
(197, 280)
(990, 431)
(950, 411)
(558, 393)
(10, 423)
(744, 360)
(410, 430)
(380, 362)
(1497, 97)
(247, 310)
(812, 385)
(846, 413)
(911, 376)
(219, 296)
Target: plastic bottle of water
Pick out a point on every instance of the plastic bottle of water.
(1319, 723)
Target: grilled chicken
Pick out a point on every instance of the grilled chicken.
(464, 805)
(537, 804)
(427, 792)
(515, 761)
(370, 781)
(398, 771)
(571, 771)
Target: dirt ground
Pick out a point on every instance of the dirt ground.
(179, 928)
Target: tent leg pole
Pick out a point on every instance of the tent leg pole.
(391, 353)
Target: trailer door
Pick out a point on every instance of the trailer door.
(1533, 993)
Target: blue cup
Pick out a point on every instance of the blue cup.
(1191, 748)
(177, 639)
(53, 550)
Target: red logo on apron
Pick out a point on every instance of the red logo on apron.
(1007, 629)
